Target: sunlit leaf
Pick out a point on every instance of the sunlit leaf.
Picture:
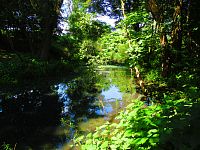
(140, 141)
(104, 145)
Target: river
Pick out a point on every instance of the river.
(49, 119)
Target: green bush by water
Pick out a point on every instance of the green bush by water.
(165, 126)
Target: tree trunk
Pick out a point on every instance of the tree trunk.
(177, 32)
(12, 47)
(45, 45)
(166, 58)
(140, 82)
(158, 17)
(48, 11)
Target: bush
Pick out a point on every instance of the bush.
(141, 127)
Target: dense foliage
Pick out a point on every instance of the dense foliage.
(29, 25)
(154, 127)
(158, 37)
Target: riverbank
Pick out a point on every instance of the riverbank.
(30, 71)
(170, 123)
(75, 106)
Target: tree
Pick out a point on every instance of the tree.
(32, 22)
(48, 13)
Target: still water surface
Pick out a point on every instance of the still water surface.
(37, 119)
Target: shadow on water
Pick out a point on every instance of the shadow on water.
(29, 119)
(36, 119)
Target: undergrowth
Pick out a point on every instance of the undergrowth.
(161, 126)
(14, 71)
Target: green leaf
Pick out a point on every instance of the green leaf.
(104, 145)
(152, 131)
(113, 147)
(89, 141)
(153, 141)
(88, 147)
(128, 133)
(140, 141)
(89, 135)
(81, 138)
(96, 135)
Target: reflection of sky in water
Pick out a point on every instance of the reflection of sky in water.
(63, 97)
(61, 90)
(107, 109)
(112, 94)
(109, 96)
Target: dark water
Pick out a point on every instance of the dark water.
(48, 119)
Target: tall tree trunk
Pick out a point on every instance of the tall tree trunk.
(45, 48)
(166, 56)
(158, 17)
(49, 11)
(46, 40)
(12, 47)
(177, 32)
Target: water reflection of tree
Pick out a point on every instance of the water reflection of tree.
(116, 76)
(83, 92)
(29, 117)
